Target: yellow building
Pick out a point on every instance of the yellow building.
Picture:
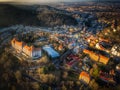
(103, 59)
(84, 76)
(96, 57)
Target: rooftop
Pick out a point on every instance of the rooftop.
(51, 51)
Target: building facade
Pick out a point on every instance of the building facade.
(85, 77)
(97, 57)
(28, 50)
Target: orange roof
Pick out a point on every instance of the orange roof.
(84, 76)
(18, 43)
(94, 56)
(14, 40)
(87, 51)
(83, 73)
(60, 47)
(104, 59)
(31, 48)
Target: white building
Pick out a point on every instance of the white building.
(116, 50)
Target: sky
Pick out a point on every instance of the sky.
(35, 0)
(41, 1)
(45, 1)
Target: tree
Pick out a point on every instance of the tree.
(63, 87)
(65, 74)
(49, 88)
(18, 76)
(40, 70)
(51, 78)
(13, 87)
(35, 86)
(94, 71)
(93, 85)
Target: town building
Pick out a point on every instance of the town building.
(32, 51)
(104, 40)
(85, 77)
(18, 45)
(116, 50)
(28, 50)
(103, 59)
(60, 47)
(90, 38)
(100, 47)
(97, 57)
(118, 68)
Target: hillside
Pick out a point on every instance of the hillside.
(11, 15)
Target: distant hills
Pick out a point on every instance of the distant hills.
(36, 15)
